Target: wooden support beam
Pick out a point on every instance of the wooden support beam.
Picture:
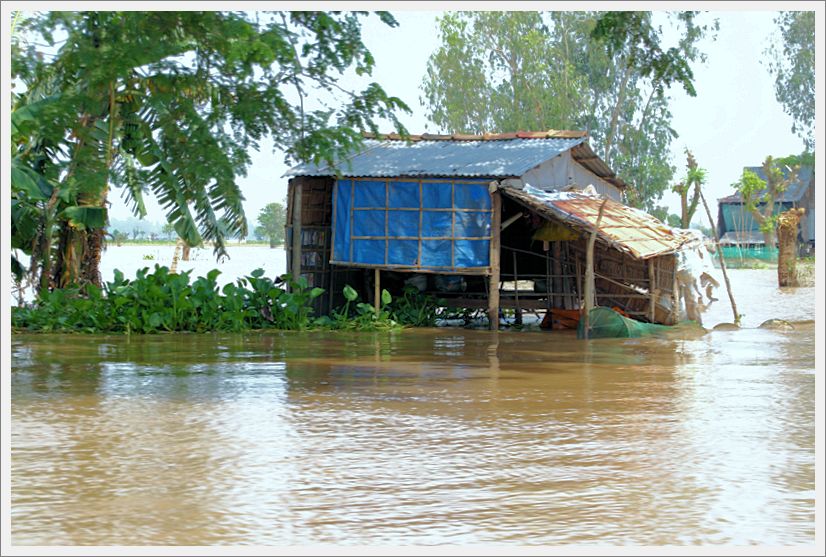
(518, 317)
(652, 290)
(675, 295)
(377, 290)
(558, 281)
(511, 220)
(495, 245)
(296, 222)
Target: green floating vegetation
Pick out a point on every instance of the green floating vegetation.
(160, 301)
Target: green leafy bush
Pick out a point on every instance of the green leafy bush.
(415, 309)
(360, 316)
(162, 301)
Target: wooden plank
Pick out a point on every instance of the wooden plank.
(408, 269)
(495, 244)
(675, 295)
(548, 285)
(652, 289)
(518, 318)
(557, 271)
(579, 288)
(296, 243)
(377, 290)
(480, 303)
(511, 220)
(452, 225)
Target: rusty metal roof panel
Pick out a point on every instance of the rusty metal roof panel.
(477, 158)
(625, 228)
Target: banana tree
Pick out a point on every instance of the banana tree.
(36, 198)
(170, 103)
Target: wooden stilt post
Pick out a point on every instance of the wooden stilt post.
(495, 244)
(377, 291)
(675, 294)
(557, 287)
(296, 222)
(518, 314)
(579, 286)
(589, 272)
(652, 290)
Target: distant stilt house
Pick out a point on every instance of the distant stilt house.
(737, 227)
(493, 221)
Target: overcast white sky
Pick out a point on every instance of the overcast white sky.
(734, 120)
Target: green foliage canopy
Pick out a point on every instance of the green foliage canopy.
(271, 221)
(171, 103)
(605, 72)
(792, 63)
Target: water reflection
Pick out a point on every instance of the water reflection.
(417, 437)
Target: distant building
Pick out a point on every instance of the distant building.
(737, 227)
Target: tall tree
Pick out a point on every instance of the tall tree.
(168, 231)
(171, 103)
(792, 63)
(606, 73)
(271, 221)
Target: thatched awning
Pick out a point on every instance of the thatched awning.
(624, 228)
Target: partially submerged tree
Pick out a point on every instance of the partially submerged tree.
(170, 103)
(787, 230)
(606, 72)
(759, 195)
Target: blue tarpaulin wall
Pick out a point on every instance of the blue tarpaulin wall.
(437, 225)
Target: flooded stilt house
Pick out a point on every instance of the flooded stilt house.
(489, 222)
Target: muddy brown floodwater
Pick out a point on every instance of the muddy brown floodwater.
(429, 436)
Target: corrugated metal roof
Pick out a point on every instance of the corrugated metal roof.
(584, 155)
(625, 228)
(794, 192)
(492, 156)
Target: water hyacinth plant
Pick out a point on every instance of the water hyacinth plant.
(159, 301)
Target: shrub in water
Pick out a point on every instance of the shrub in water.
(163, 301)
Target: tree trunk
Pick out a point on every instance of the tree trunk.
(609, 137)
(684, 218)
(787, 247)
(70, 248)
(90, 264)
(80, 250)
(185, 256)
(768, 239)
